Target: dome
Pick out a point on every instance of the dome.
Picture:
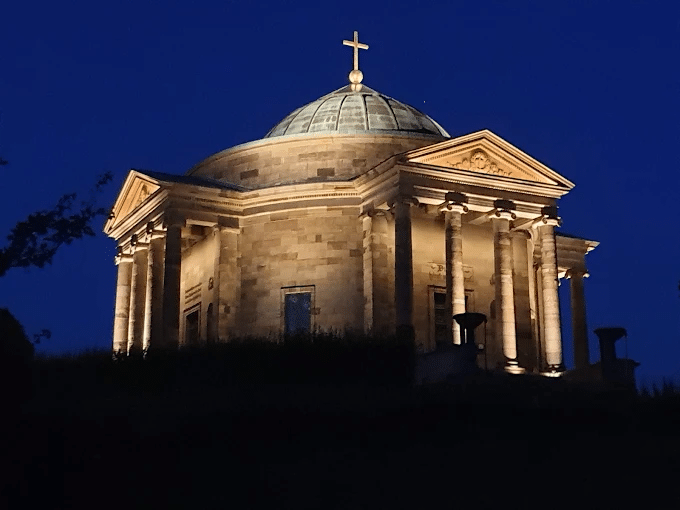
(349, 111)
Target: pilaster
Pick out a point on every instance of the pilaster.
(171, 282)
(227, 282)
(367, 229)
(403, 265)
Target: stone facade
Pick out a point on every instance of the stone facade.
(367, 231)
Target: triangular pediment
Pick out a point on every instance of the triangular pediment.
(137, 189)
(484, 153)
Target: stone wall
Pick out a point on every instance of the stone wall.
(297, 159)
(198, 266)
(316, 246)
(526, 344)
(383, 274)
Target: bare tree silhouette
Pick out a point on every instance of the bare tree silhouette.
(35, 240)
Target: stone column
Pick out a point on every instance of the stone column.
(403, 265)
(171, 284)
(503, 283)
(367, 227)
(454, 208)
(122, 310)
(552, 338)
(579, 327)
(153, 288)
(137, 292)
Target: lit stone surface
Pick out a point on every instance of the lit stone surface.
(455, 284)
(342, 204)
(299, 159)
(137, 299)
(122, 310)
(505, 303)
(551, 306)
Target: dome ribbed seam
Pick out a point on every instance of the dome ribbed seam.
(337, 121)
(285, 131)
(311, 119)
(396, 122)
(363, 100)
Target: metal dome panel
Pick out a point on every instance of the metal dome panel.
(349, 111)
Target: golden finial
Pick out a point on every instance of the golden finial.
(355, 76)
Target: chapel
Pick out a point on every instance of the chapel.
(356, 212)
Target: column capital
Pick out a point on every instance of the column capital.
(454, 202)
(151, 232)
(372, 213)
(122, 257)
(139, 246)
(502, 214)
(546, 221)
(549, 217)
(136, 244)
(451, 207)
(173, 219)
(401, 198)
(154, 234)
(577, 271)
(503, 210)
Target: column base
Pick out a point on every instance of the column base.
(512, 367)
(554, 371)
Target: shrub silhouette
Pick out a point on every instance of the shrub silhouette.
(16, 357)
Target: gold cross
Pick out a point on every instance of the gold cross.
(357, 46)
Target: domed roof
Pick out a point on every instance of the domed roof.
(351, 111)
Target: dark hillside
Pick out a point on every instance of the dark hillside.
(233, 428)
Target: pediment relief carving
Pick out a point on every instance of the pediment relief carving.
(483, 161)
(478, 161)
(483, 158)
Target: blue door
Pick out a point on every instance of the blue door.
(298, 312)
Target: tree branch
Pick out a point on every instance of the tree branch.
(35, 240)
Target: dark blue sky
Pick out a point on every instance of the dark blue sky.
(592, 89)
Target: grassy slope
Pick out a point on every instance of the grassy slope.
(225, 429)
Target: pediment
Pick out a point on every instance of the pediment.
(137, 189)
(488, 154)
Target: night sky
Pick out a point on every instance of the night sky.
(590, 89)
